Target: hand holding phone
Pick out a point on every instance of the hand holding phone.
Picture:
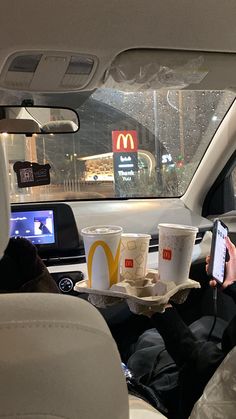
(216, 267)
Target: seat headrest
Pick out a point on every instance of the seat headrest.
(58, 360)
(4, 201)
(219, 397)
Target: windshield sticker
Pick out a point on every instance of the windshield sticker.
(32, 174)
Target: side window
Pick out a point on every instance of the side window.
(221, 198)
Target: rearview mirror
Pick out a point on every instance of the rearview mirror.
(41, 120)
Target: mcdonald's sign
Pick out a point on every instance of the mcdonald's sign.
(112, 262)
(124, 141)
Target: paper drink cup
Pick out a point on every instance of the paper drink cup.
(175, 251)
(102, 250)
(134, 254)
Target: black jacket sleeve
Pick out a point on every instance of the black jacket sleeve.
(231, 291)
(179, 340)
(197, 360)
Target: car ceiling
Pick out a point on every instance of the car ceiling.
(105, 28)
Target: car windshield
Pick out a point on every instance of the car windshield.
(130, 145)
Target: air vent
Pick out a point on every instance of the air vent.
(55, 71)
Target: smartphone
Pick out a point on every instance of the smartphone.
(216, 267)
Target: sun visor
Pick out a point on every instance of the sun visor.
(148, 69)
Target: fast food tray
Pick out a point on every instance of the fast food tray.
(149, 294)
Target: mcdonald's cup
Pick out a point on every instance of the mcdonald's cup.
(175, 251)
(102, 249)
(134, 254)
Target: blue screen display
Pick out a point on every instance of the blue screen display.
(36, 226)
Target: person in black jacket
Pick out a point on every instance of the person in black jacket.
(175, 362)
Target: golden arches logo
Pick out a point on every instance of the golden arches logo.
(113, 263)
(125, 139)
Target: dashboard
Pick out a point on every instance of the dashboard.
(54, 229)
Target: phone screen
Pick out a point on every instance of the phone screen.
(218, 251)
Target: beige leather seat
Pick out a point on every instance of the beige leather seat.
(139, 409)
(57, 356)
(219, 397)
(58, 360)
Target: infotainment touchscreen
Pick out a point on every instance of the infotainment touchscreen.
(36, 226)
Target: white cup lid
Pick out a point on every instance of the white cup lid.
(136, 236)
(101, 229)
(178, 227)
